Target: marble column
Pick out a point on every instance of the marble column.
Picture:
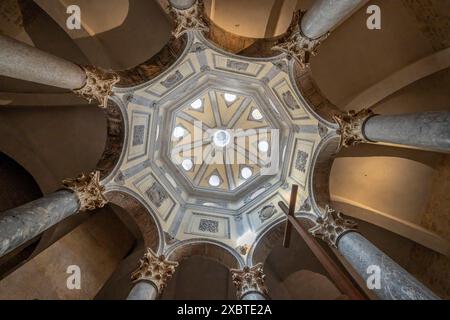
(253, 296)
(182, 4)
(309, 29)
(324, 15)
(395, 284)
(22, 224)
(428, 130)
(249, 283)
(21, 61)
(19, 225)
(387, 279)
(151, 277)
(143, 290)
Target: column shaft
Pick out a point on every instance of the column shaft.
(428, 130)
(253, 296)
(182, 4)
(395, 282)
(21, 61)
(143, 290)
(325, 14)
(22, 224)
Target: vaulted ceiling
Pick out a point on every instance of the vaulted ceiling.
(205, 140)
(214, 142)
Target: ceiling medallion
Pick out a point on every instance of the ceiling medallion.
(222, 138)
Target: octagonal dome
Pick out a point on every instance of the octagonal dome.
(216, 138)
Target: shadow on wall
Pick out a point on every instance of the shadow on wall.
(252, 18)
(308, 285)
(295, 273)
(116, 35)
(142, 34)
(349, 61)
(47, 35)
(135, 31)
(53, 143)
(17, 185)
(199, 278)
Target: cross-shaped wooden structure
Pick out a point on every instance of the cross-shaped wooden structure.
(339, 277)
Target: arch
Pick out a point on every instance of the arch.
(81, 131)
(154, 66)
(400, 79)
(266, 241)
(209, 249)
(311, 93)
(319, 175)
(145, 219)
(115, 138)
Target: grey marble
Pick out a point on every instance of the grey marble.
(253, 296)
(182, 4)
(428, 130)
(22, 224)
(395, 282)
(21, 61)
(143, 290)
(326, 14)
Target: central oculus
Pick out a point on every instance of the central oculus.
(221, 138)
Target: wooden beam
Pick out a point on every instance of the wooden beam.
(291, 212)
(338, 277)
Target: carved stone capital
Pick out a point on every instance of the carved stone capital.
(189, 19)
(155, 269)
(351, 127)
(88, 190)
(332, 226)
(99, 85)
(296, 44)
(249, 280)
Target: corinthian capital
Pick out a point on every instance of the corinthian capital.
(296, 44)
(99, 85)
(249, 280)
(88, 190)
(351, 127)
(189, 19)
(155, 269)
(331, 227)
